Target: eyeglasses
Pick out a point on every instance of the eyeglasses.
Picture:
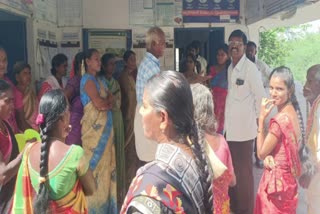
(235, 43)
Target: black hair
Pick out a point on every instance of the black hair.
(239, 33)
(170, 91)
(19, 66)
(4, 86)
(52, 105)
(225, 48)
(88, 54)
(304, 153)
(183, 63)
(77, 62)
(56, 61)
(104, 61)
(251, 43)
(127, 54)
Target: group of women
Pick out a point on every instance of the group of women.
(73, 171)
(71, 161)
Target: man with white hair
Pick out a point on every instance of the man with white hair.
(149, 66)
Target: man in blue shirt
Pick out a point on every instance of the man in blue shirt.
(149, 66)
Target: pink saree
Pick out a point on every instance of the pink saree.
(277, 192)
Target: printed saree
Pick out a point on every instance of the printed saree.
(74, 202)
(169, 184)
(98, 143)
(113, 86)
(6, 191)
(277, 192)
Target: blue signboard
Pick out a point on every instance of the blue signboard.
(210, 11)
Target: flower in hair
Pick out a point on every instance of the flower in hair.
(40, 119)
(42, 180)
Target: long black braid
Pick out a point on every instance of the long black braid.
(308, 165)
(171, 92)
(42, 200)
(52, 105)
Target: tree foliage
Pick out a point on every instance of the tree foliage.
(295, 47)
(273, 49)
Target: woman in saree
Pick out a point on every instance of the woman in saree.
(10, 158)
(26, 102)
(217, 148)
(128, 107)
(112, 85)
(188, 67)
(3, 71)
(179, 179)
(277, 192)
(219, 84)
(97, 136)
(57, 79)
(72, 91)
(53, 177)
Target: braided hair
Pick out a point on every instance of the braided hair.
(52, 105)
(304, 153)
(170, 91)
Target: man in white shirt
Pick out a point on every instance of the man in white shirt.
(245, 91)
(264, 69)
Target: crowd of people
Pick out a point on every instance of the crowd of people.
(152, 141)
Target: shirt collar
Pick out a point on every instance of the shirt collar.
(153, 58)
(240, 63)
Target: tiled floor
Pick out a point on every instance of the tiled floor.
(302, 207)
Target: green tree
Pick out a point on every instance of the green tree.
(273, 49)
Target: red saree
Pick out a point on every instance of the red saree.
(277, 192)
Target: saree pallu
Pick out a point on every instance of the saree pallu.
(74, 202)
(278, 188)
(119, 140)
(97, 142)
(7, 190)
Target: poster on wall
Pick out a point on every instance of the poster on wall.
(21, 5)
(46, 10)
(168, 12)
(114, 42)
(69, 13)
(155, 12)
(141, 12)
(207, 11)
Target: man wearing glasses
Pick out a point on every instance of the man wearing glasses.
(245, 91)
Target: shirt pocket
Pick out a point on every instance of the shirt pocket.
(241, 92)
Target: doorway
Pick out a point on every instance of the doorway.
(13, 38)
(210, 39)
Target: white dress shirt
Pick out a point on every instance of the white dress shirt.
(245, 91)
(264, 70)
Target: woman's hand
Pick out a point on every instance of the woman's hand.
(266, 107)
(269, 162)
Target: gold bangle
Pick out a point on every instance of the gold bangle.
(259, 131)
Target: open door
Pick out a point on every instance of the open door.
(13, 38)
(210, 39)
